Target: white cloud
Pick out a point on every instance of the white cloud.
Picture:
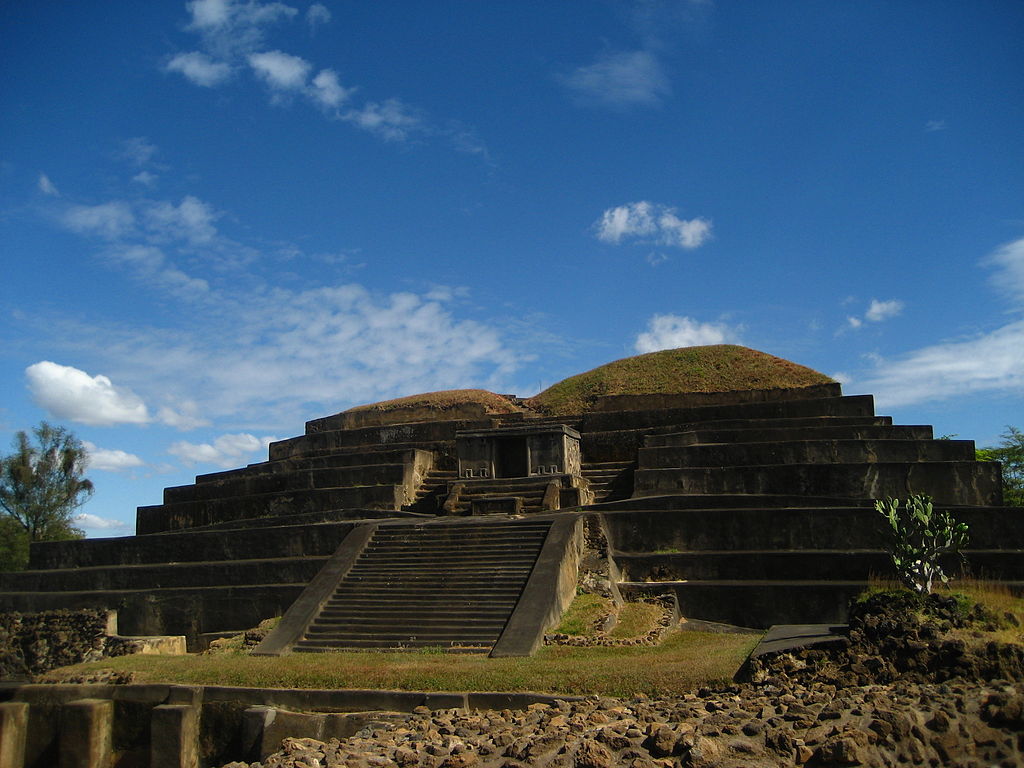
(671, 331)
(989, 362)
(225, 451)
(651, 222)
(327, 91)
(629, 78)
(47, 187)
(992, 362)
(68, 393)
(231, 29)
(145, 178)
(191, 220)
(1009, 261)
(391, 120)
(317, 14)
(199, 68)
(854, 322)
(281, 71)
(108, 220)
(935, 125)
(138, 150)
(883, 310)
(95, 522)
(186, 417)
(111, 460)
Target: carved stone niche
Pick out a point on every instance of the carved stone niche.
(526, 451)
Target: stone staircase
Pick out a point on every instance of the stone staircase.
(609, 480)
(418, 585)
(432, 491)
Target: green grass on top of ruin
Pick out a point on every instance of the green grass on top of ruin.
(714, 368)
(444, 400)
(684, 662)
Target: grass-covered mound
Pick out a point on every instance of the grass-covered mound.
(445, 400)
(714, 368)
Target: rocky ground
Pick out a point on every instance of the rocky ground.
(905, 689)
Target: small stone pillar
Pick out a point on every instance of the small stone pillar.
(13, 733)
(86, 729)
(174, 736)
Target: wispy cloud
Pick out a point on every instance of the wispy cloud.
(988, 362)
(623, 79)
(47, 187)
(233, 39)
(96, 523)
(651, 223)
(671, 331)
(935, 125)
(199, 69)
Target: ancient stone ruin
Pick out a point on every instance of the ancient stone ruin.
(737, 483)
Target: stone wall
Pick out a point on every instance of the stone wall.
(33, 643)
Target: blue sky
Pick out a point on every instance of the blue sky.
(220, 218)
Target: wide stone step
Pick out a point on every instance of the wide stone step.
(296, 480)
(386, 645)
(191, 546)
(433, 635)
(189, 514)
(969, 483)
(370, 624)
(486, 604)
(805, 452)
(442, 558)
(166, 575)
(298, 464)
(786, 434)
(827, 565)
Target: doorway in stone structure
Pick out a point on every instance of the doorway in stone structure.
(512, 457)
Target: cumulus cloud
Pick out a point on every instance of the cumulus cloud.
(199, 68)
(651, 222)
(145, 178)
(47, 187)
(138, 150)
(877, 312)
(111, 460)
(671, 331)
(935, 125)
(97, 523)
(624, 79)
(186, 417)
(225, 451)
(69, 393)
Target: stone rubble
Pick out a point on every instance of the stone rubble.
(898, 724)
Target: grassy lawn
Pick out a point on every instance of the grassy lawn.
(685, 661)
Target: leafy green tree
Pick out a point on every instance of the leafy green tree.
(1009, 453)
(919, 535)
(41, 485)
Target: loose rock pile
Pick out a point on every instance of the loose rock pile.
(904, 723)
(896, 693)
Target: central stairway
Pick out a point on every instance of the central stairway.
(420, 585)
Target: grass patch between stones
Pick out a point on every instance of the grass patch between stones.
(684, 662)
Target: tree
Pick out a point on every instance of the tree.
(1009, 453)
(41, 485)
(919, 535)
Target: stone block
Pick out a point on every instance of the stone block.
(498, 505)
(86, 729)
(13, 733)
(174, 734)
